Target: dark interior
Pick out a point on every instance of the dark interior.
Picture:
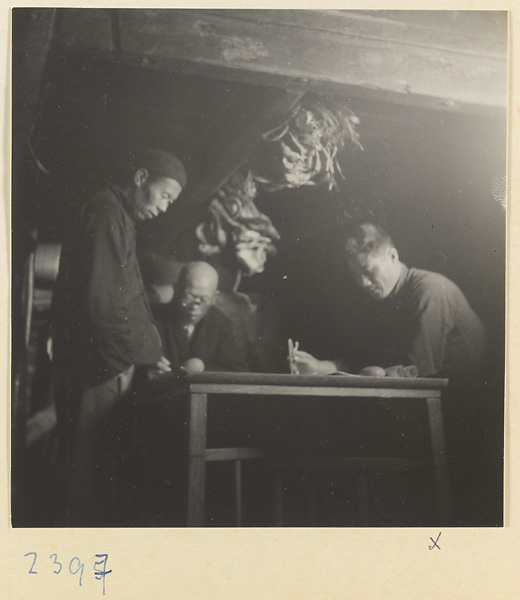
(426, 172)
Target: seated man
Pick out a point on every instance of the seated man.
(414, 317)
(195, 334)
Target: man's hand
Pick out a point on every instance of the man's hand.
(309, 365)
(160, 368)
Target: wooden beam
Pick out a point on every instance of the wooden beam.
(408, 60)
(32, 32)
(238, 149)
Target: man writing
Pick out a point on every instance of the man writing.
(103, 327)
(196, 335)
(418, 317)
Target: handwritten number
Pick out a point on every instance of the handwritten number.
(34, 562)
(56, 562)
(80, 568)
(100, 569)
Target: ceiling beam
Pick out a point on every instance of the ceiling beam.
(419, 63)
(240, 145)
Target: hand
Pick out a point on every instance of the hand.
(160, 368)
(373, 371)
(309, 365)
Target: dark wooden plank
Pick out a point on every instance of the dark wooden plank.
(196, 491)
(482, 30)
(439, 459)
(483, 24)
(220, 454)
(317, 380)
(198, 408)
(349, 391)
(362, 498)
(345, 49)
(238, 493)
(31, 36)
(302, 84)
(196, 460)
(409, 61)
(237, 150)
(87, 28)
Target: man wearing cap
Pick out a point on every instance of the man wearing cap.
(103, 328)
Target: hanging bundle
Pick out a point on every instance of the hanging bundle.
(235, 223)
(304, 149)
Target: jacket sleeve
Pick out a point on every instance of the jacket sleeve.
(425, 342)
(109, 243)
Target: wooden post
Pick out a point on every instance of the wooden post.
(238, 492)
(197, 415)
(278, 489)
(362, 498)
(439, 459)
(32, 32)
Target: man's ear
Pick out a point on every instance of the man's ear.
(394, 254)
(141, 177)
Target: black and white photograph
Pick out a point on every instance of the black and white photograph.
(258, 268)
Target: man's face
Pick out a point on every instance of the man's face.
(376, 274)
(153, 196)
(195, 300)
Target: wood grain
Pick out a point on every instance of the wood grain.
(452, 62)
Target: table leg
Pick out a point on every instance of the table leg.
(278, 483)
(197, 420)
(362, 498)
(238, 492)
(439, 459)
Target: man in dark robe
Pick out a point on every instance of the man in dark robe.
(103, 328)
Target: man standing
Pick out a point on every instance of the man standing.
(103, 328)
(196, 335)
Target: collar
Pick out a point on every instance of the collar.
(122, 196)
(403, 275)
(176, 320)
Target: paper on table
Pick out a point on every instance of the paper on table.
(345, 373)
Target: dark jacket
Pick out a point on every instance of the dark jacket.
(213, 340)
(426, 321)
(102, 320)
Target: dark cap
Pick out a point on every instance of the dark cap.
(163, 164)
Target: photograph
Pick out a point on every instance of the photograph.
(258, 268)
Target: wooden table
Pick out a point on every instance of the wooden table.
(200, 386)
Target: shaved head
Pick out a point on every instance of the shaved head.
(198, 284)
(198, 272)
